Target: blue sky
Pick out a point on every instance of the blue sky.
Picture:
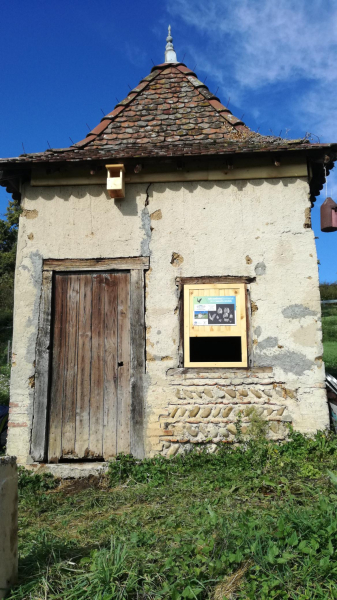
(63, 63)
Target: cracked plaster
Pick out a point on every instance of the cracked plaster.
(197, 221)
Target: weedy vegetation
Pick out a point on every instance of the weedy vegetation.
(328, 291)
(255, 520)
(252, 521)
(329, 327)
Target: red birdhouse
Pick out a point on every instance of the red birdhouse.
(329, 215)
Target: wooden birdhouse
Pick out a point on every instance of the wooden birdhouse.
(115, 183)
(329, 216)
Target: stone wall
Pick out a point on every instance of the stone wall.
(204, 409)
(254, 228)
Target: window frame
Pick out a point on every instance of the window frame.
(215, 282)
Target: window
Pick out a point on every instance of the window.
(215, 327)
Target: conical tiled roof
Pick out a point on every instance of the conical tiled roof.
(170, 113)
(169, 108)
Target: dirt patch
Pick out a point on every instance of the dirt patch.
(70, 487)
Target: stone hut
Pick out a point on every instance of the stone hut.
(166, 281)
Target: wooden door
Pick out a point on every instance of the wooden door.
(90, 399)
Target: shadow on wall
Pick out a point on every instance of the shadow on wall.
(240, 184)
(128, 206)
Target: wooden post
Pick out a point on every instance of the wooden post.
(38, 443)
(137, 334)
(9, 524)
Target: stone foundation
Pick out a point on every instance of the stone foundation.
(204, 407)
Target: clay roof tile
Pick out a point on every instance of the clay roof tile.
(169, 113)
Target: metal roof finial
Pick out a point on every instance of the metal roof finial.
(170, 55)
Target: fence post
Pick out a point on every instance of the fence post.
(9, 524)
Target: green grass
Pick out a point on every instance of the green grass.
(264, 515)
(180, 528)
(329, 326)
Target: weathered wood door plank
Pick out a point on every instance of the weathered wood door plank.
(42, 375)
(84, 367)
(137, 341)
(96, 401)
(97, 367)
(58, 367)
(70, 373)
(124, 395)
(110, 367)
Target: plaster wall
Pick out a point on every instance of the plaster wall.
(255, 228)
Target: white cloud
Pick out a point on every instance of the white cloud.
(251, 45)
(255, 48)
(277, 60)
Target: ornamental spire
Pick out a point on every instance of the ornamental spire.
(170, 55)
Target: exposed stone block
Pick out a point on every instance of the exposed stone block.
(227, 411)
(205, 412)
(208, 393)
(256, 393)
(191, 430)
(213, 432)
(212, 448)
(194, 411)
(172, 451)
(231, 393)
(286, 417)
(231, 428)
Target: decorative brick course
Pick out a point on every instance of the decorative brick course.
(205, 411)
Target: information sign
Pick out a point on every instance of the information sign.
(214, 310)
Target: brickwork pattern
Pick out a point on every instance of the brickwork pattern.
(205, 411)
